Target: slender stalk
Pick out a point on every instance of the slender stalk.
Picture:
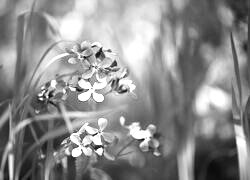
(243, 152)
(185, 159)
(123, 148)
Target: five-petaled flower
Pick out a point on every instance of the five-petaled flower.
(98, 134)
(100, 67)
(80, 52)
(91, 90)
(125, 85)
(120, 83)
(94, 139)
(83, 146)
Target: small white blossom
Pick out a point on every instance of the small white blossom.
(149, 141)
(98, 134)
(83, 145)
(91, 91)
(134, 129)
(147, 136)
(128, 84)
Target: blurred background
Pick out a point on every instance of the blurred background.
(179, 56)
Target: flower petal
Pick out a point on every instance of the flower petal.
(72, 60)
(83, 128)
(99, 151)
(138, 134)
(91, 130)
(98, 97)
(84, 96)
(100, 85)
(144, 146)
(132, 87)
(122, 120)
(88, 74)
(154, 143)
(106, 62)
(152, 129)
(101, 77)
(75, 138)
(72, 88)
(102, 123)
(98, 44)
(85, 45)
(156, 152)
(76, 48)
(86, 140)
(76, 152)
(92, 60)
(87, 151)
(84, 84)
(97, 139)
(87, 52)
(108, 137)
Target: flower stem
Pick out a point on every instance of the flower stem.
(123, 148)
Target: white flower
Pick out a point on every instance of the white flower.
(98, 134)
(134, 129)
(85, 96)
(149, 141)
(83, 145)
(128, 84)
(147, 136)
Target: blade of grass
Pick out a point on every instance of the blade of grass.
(43, 57)
(248, 42)
(242, 152)
(53, 60)
(65, 118)
(235, 107)
(236, 69)
(49, 135)
(4, 117)
(70, 114)
(242, 142)
(4, 101)
(246, 121)
(49, 160)
(11, 157)
(20, 65)
(8, 146)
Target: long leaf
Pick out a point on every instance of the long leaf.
(235, 108)
(236, 69)
(43, 58)
(20, 64)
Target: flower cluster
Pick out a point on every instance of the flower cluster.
(147, 138)
(52, 92)
(99, 74)
(89, 140)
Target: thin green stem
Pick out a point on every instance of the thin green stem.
(124, 148)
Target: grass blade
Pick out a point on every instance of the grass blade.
(20, 65)
(66, 119)
(242, 149)
(42, 59)
(235, 108)
(241, 129)
(4, 117)
(236, 69)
